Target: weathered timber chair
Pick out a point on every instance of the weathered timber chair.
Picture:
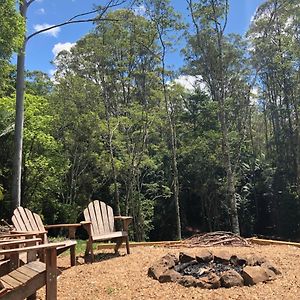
(23, 281)
(100, 225)
(11, 241)
(26, 221)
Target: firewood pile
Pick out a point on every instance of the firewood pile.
(217, 238)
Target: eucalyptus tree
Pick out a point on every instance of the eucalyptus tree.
(117, 62)
(20, 84)
(221, 62)
(274, 36)
(167, 24)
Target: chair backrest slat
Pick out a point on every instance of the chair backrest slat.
(38, 222)
(93, 219)
(18, 221)
(105, 217)
(110, 216)
(33, 225)
(98, 214)
(24, 218)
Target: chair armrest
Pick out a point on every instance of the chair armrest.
(14, 234)
(85, 222)
(16, 242)
(63, 226)
(87, 225)
(70, 227)
(27, 249)
(125, 220)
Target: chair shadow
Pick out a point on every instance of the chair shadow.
(99, 257)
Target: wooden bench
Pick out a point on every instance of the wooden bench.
(23, 281)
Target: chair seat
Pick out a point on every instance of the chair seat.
(21, 282)
(110, 235)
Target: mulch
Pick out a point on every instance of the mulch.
(125, 276)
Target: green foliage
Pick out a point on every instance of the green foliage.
(102, 131)
(11, 37)
(11, 29)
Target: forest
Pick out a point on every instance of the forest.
(114, 124)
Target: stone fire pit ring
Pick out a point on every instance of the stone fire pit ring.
(211, 270)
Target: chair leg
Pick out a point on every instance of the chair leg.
(92, 252)
(73, 255)
(89, 249)
(32, 297)
(127, 245)
(119, 242)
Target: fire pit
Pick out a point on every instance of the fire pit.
(212, 269)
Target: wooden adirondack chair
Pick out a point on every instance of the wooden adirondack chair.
(26, 221)
(23, 281)
(10, 241)
(100, 225)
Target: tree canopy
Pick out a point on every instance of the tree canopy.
(112, 124)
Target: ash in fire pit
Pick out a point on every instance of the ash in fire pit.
(212, 270)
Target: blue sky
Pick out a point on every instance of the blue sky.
(41, 48)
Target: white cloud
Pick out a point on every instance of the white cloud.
(62, 46)
(40, 11)
(190, 82)
(53, 32)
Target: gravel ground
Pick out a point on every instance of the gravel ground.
(125, 277)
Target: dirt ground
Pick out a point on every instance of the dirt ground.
(125, 277)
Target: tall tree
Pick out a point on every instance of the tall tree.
(220, 60)
(167, 22)
(20, 86)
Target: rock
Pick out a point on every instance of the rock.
(222, 257)
(254, 275)
(185, 258)
(204, 256)
(238, 260)
(212, 281)
(161, 266)
(169, 276)
(80, 260)
(271, 267)
(270, 273)
(188, 281)
(231, 278)
(255, 260)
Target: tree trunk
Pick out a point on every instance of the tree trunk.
(19, 121)
(229, 173)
